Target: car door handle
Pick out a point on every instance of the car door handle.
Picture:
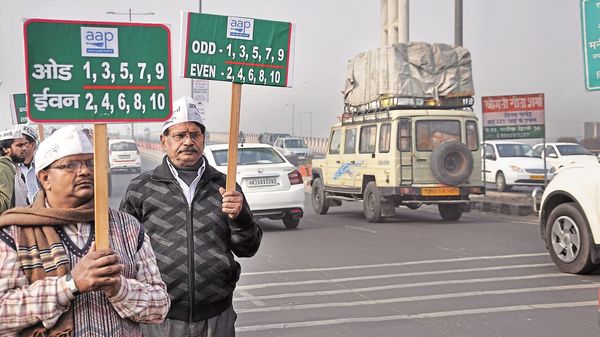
(337, 161)
(352, 162)
(421, 159)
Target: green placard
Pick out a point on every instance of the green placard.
(236, 49)
(97, 72)
(590, 32)
(18, 107)
(513, 132)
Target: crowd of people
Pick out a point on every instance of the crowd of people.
(55, 282)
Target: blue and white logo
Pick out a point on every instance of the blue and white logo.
(99, 41)
(240, 28)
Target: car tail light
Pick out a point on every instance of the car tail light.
(295, 177)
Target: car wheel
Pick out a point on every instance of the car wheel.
(372, 203)
(138, 170)
(289, 222)
(501, 183)
(568, 239)
(317, 196)
(450, 212)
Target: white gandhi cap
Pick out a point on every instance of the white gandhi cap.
(185, 110)
(63, 142)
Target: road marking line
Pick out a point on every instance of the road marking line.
(361, 229)
(417, 298)
(396, 264)
(384, 276)
(250, 298)
(438, 314)
(399, 286)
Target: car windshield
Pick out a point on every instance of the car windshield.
(573, 150)
(295, 143)
(250, 156)
(516, 150)
(123, 146)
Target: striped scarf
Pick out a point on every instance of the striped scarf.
(41, 252)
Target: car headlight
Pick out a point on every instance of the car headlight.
(516, 168)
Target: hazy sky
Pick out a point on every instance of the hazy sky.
(517, 47)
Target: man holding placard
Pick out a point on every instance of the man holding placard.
(53, 280)
(195, 227)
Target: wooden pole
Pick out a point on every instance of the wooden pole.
(234, 126)
(41, 132)
(101, 185)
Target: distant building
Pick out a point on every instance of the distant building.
(591, 130)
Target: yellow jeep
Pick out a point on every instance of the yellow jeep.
(410, 153)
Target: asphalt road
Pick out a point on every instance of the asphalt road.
(413, 275)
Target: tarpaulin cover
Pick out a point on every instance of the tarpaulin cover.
(413, 69)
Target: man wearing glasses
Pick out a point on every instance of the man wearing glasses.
(13, 190)
(53, 281)
(195, 227)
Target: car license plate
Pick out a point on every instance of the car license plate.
(123, 156)
(439, 191)
(537, 177)
(266, 181)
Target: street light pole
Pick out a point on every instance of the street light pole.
(130, 13)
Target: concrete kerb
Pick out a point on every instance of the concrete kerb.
(504, 203)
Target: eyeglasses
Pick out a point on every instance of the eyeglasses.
(180, 137)
(75, 165)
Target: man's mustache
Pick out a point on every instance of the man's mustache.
(189, 149)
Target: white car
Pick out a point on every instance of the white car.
(292, 146)
(561, 154)
(123, 154)
(569, 216)
(272, 186)
(509, 163)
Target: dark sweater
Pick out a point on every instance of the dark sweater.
(193, 245)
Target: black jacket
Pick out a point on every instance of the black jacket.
(194, 246)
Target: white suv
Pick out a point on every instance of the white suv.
(123, 154)
(570, 217)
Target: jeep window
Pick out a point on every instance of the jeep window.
(404, 141)
(336, 139)
(431, 133)
(385, 133)
(515, 150)
(472, 140)
(368, 136)
(350, 142)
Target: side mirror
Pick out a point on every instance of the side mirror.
(490, 157)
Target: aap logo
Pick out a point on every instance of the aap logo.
(240, 28)
(99, 41)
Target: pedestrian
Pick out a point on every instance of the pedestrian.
(27, 167)
(195, 227)
(53, 280)
(13, 189)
